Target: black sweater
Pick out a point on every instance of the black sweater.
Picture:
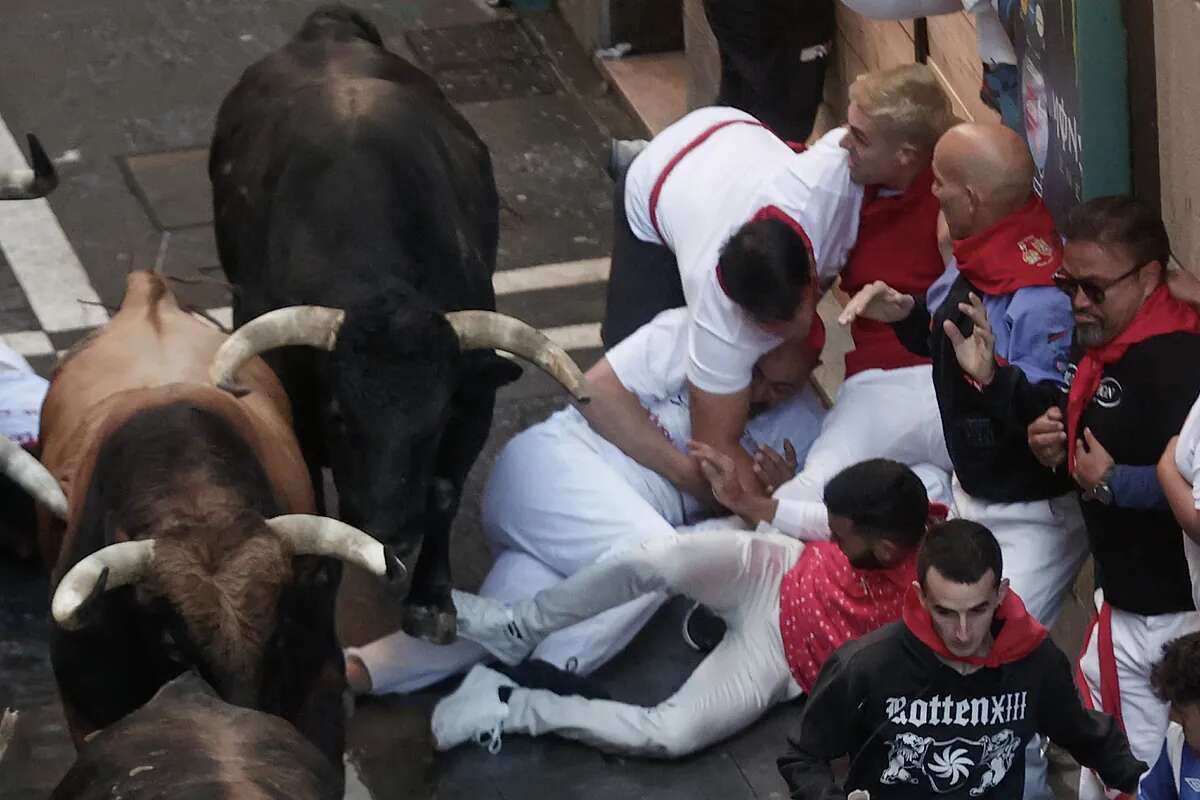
(990, 451)
(1143, 400)
(915, 728)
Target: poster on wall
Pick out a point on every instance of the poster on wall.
(1072, 60)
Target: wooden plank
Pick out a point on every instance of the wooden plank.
(1177, 29)
(953, 50)
(879, 43)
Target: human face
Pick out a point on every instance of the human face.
(1123, 286)
(1188, 717)
(874, 157)
(958, 202)
(861, 551)
(780, 375)
(962, 612)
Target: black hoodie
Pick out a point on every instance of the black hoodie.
(914, 727)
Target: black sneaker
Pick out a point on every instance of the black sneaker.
(702, 629)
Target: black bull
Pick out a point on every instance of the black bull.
(359, 208)
(187, 744)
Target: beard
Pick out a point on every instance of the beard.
(867, 560)
(1089, 334)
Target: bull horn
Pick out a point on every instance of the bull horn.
(30, 474)
(488, 329)
(24, 184)
(108, 568)
(315, 326)
(314, 535)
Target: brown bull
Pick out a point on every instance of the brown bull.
(189, 538)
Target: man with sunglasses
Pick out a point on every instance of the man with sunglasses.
(1005, 253)
(1134, 373)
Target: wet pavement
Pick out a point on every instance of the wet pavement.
(125, 92)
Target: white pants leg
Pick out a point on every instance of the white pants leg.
(1137, 643)
(735, 574)
(399, 663)
(553, 495)
(1044, 544)
(877, 414)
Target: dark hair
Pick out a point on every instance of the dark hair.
(883, 498)
(961, 550)
(1120, 220)
(1176, 679)
(765, 268)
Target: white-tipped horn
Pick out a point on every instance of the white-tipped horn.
(488, 329)
(315, 326)
(28, 473)
(109, 567)
(312, 534)
(30, 184)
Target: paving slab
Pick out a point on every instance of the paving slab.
(15, 313)
(556, 199)
(506, 40)
(172, 186)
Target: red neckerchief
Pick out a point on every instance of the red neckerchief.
(1019, 633)
(1020, 250)
(1160, 314)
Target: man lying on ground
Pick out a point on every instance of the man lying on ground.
(576, 488)
(787, 607)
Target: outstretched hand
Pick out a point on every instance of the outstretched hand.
(879, 302)
(976, 353)
(727, 489)
(775, 469)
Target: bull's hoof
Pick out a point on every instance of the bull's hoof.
(431, 623)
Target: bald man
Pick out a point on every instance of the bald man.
(1005, 252)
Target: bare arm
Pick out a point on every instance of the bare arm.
(1178, 492)
(719, 420)
(616, 414)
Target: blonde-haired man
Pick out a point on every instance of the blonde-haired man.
(886, 407)
(715, 175)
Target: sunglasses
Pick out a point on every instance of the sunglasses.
(1093, 290)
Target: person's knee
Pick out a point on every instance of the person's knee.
(676, 734)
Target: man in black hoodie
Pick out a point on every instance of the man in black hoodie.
(944, 701)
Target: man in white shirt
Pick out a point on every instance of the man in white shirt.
(580, 487)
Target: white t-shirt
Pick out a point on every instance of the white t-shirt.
(650, 363)
(711, 192)
(21, 393)
(1187, 459)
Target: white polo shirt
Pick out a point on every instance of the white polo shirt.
(723, 179)
(1187, 461)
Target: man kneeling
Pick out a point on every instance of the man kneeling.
(787, 607)
(945, 701)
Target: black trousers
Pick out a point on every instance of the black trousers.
(642, 281)
(761, 71)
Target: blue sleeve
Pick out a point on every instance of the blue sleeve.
(1138, 487)
(1159, 782)
(1039, 324)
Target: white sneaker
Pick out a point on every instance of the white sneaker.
(473, 711)
(491, 624)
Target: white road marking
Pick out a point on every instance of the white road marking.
(575, 337)
(551, 276)
(41, 258)
(29, 343)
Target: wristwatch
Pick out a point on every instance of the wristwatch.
(1102, 492)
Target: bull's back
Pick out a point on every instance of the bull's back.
(150, 351)
(351, 175)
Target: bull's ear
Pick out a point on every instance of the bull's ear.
(492, 369)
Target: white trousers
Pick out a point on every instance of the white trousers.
(1043, 544)
(877, 413)
(553, 504)
(737, 575)
(1137, 643)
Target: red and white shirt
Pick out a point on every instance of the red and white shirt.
(697, 183)
(825, 602)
